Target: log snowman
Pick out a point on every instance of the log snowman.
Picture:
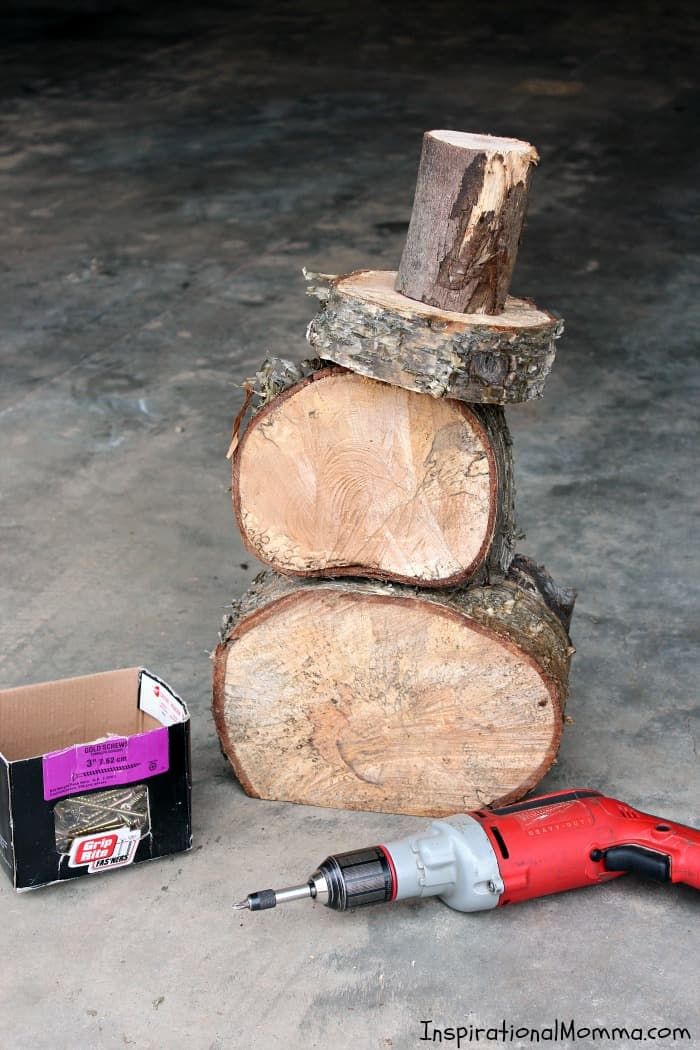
(397, 655)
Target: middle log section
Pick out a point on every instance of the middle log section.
(341, 475)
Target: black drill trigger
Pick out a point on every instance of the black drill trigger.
(639, 861)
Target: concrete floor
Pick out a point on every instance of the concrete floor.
(163, 178)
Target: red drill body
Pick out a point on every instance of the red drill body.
(572, 839)
(492, 857)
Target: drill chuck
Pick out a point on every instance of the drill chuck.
(360, 876)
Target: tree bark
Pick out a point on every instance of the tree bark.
(339, 475)
(363, 695)
(468, 213)
(365, 325)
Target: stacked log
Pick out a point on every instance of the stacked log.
(468, 213)
(398, 656)
(339, 475)
(367, 325)
(360, 695)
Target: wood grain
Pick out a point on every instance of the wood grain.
(362, 695)
(342, 475)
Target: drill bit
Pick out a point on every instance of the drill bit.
(262, 899)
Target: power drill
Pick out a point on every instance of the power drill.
(492, 857)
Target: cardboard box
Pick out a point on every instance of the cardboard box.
(94, 775)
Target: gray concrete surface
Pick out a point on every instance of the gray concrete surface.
(164, 175)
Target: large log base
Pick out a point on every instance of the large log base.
(360, 695)
(366, 325)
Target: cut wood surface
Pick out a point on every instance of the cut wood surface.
(366, 325)
(341, 475)
(468, 212)
(360, 695)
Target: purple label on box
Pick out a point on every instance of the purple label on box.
(105, 763)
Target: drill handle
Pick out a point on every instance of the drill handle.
(685, 868)
(665, 852)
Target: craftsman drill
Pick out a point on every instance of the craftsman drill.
(492, 857)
